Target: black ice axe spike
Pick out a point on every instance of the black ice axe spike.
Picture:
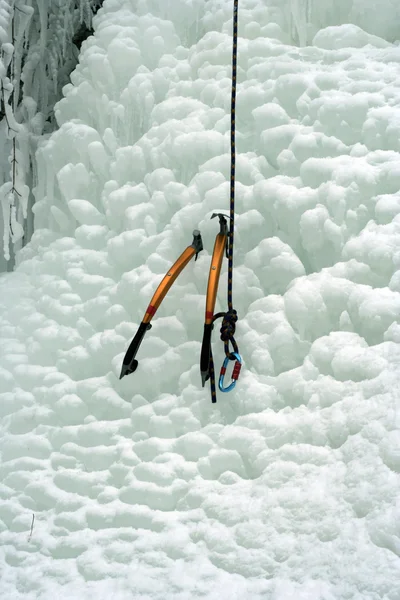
(130, 364)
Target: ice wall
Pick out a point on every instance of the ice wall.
(140, 488)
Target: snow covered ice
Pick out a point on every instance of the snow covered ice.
(288, 487)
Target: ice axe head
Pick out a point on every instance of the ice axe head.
(222, 222)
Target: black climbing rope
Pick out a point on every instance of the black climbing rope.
(230, 317)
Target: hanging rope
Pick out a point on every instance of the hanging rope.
(230, 317)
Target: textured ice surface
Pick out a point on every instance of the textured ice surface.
(309, 16)
(288, 487)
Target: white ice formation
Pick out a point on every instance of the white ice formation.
(288, 488)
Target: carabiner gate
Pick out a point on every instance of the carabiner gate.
(235, 373)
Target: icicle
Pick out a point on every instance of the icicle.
(17, 231)
(88, 11)
(5, 16)
(53, 71)
(64, 31)
(7, 51)
(298, 12)
(12, 124)
(6, 202)
(43, 7)
(21, 19)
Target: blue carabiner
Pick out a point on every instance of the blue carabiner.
(235, 373)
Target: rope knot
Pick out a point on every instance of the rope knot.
(228, 326)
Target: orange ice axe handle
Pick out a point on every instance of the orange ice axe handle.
(212, 289)
(130, 364)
